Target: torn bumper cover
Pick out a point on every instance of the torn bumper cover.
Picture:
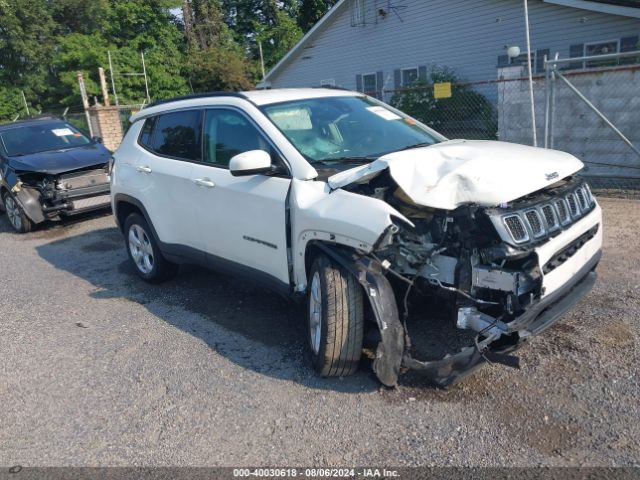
(392, 356)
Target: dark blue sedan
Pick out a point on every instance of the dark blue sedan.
(49, 169)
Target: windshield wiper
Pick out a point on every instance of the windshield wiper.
(417, 145)
(346, 160)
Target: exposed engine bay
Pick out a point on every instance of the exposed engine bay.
(46, 196)
(481, 263)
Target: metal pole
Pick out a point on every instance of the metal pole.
(85, 101)
(600, 114)
(261, 59)
(552, 115)
(533, 107)
(144, 72)
(112, 74)
(24, 99)
(547, 103)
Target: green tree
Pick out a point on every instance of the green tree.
(277, 39)
(311, 11)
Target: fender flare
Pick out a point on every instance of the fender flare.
(123, 198)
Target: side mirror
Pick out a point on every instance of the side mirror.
(250, 163)
(97, 139)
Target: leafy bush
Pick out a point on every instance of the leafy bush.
(466, 114)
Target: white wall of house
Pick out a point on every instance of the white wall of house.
(467, 35)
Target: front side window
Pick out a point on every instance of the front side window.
(177, 135)
(346, 129)
(228, 133)
(42, 137)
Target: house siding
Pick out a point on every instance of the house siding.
(466, 35)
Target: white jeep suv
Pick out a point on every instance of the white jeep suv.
(380, 222)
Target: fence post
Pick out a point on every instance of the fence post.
(547, 103)
(85, 101)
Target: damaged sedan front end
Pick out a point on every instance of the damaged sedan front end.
(48, 169)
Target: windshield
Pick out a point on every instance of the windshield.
(41, 138)
(346, 129)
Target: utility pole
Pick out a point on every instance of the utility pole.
(103, 86)
(112, 75)
(261, 59)
(24, 99)
(531, 97)
(85, 100)
(146, 83)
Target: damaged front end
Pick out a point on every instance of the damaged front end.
(497, 274)
(45, 196)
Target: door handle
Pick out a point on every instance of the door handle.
(143, 169)
(204, 182)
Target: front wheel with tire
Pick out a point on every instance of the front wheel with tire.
(20, 222)
(143, 251)
(335, 319)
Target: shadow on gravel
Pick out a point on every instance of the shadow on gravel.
(250, 310)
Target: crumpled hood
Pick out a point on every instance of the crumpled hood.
(458, 172)
(56, 162)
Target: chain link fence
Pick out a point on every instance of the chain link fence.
(501, 110)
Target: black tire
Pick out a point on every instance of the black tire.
(17, 218)
(147, 260)
(337, 351)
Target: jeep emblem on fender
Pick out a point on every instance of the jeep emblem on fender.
(551, 176)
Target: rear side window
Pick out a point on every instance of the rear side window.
(175, 134)
(146, 135)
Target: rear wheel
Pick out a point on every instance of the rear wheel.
(143, 251)
(20, 222)
(335, 319)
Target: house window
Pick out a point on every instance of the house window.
(370, 84)
(409, 76)
(602, 48)
(357, 13)
(329, 82)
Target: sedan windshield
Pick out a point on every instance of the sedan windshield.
(28, 139)
(347, 129)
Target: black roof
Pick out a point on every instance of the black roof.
(30, 121)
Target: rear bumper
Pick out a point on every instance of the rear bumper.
(537, 318)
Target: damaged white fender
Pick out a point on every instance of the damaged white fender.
(450, 174)
(339, 217)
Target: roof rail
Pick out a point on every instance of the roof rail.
(334, 87)
(196, 95)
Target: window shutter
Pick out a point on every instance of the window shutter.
(576, 51)
(540, 54)
(359, 83)
(503, 61)
(422, 73)
(379, 84)
(397, 79)
(629, 44)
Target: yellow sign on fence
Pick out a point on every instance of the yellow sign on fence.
(442, 90)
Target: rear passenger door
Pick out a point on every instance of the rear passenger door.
(172, 143)
(242, 219)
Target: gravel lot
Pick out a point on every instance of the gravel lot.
(98, 368)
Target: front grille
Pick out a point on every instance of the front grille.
(582, 200)
(90, 202)
(535, 222)
(573, 205)
(563, 213)
(538, 218)
(516, 228)
(549, 217)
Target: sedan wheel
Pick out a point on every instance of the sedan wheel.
(13, 212)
